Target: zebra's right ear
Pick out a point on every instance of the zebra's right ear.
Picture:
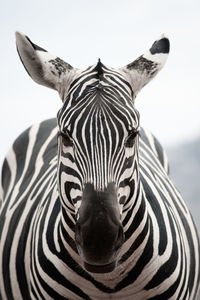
(43, 67)
(146, 67)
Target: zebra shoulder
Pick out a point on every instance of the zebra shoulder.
(152, 142)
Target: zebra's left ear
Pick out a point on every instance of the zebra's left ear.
(145, 67)
(43, 67)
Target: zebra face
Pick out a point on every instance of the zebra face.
(98, 137)
(97, 143)
(98, 161)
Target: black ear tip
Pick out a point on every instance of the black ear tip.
(161, 46)
(36, 47)
(22, 38)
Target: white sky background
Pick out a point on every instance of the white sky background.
(117, 31)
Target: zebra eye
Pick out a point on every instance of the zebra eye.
(66, 139)
(131, 138)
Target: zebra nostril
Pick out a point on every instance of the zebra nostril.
(78, 228)
(78, 234)
(120, 238)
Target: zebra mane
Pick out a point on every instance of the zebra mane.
(99, 68)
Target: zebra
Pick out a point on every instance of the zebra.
(88, 210)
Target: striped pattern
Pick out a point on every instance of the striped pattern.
(159, 256)
(96, 138)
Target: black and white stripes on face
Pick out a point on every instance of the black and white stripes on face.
(98, 123)
(98, 136)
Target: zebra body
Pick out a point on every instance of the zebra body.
(41, 251)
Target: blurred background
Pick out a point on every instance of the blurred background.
(118, 32)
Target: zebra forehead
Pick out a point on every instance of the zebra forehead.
(98, 94)
(97, 112)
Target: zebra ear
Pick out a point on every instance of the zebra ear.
(43, 67)
(145, 67)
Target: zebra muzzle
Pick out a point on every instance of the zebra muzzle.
(99, 234)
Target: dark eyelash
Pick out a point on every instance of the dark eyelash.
(131, 138)
(67, 140)
(133, 134)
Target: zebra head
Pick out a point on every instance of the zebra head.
(98, 136)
